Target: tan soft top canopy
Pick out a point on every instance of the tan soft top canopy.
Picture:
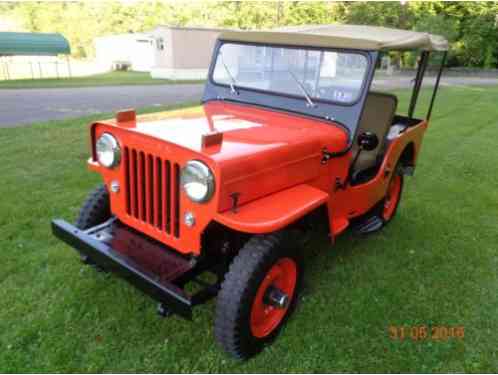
(343, 36)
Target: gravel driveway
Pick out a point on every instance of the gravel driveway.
(25, 106)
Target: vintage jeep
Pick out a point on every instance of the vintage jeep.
(290, 136)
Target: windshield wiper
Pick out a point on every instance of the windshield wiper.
(233, 81)
(305, 93)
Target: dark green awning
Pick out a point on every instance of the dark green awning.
(33, 44)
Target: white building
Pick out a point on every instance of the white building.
(176, 53)
(138, 50)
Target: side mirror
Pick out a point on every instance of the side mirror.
(368, 141)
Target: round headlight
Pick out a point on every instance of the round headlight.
(108, 151)
(197, 181)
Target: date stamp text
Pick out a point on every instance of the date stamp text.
(425, 332)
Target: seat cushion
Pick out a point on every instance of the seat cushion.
(377, 118)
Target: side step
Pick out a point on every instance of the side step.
(368, 225)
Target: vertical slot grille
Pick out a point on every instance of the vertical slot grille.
(176, 211)
(152, 191)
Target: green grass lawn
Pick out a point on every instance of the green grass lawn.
(435, 264)
(105, 79)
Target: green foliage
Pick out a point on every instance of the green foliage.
(471, 27)
(308, 13)
(479, 41)
(440, 25)
(389, 14)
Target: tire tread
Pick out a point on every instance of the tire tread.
(241, 280)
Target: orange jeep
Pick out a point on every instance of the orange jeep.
(290, 136)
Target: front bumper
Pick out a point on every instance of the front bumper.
(146, 264)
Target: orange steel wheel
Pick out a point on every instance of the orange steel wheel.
(280, 279)
(392, 197)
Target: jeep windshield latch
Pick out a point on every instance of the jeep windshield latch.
(327, 155)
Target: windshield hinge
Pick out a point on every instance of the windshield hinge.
(327, 155)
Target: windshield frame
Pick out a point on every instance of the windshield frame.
(316, 100)
(345, 116)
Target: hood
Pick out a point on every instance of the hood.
(247, 130)
(259, 151)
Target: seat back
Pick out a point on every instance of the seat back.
(377, 117)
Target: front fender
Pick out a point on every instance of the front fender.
(275, 211)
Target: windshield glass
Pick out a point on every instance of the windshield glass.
(308, 73)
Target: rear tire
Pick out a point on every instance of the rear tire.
(245, 319)
(394, 192)
(95, 210)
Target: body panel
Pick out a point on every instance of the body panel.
(266, 158)
(261, 152)
(356, 200)
(188, 239)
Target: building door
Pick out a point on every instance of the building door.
(142, 59)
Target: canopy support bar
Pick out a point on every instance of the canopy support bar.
(418, 82)
(436, 86)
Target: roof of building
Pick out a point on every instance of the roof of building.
(343, 36)
(126, 36)
(33, 44)
(191, 28)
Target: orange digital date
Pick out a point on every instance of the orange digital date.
(424, 332)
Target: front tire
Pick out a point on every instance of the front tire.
(258, 294)
(95, 211)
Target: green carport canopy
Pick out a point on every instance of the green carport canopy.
(33, 44)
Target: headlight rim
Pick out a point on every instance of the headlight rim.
(116, 150)
(211, 184)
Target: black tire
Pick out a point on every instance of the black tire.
(398, 173)
(232, 326)
(95, 210)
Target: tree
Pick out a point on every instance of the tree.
(479, 40)
(441, 25)
(471, 27)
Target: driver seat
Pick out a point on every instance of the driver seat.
(377, 117)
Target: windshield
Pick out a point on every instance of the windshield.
(308, 73)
